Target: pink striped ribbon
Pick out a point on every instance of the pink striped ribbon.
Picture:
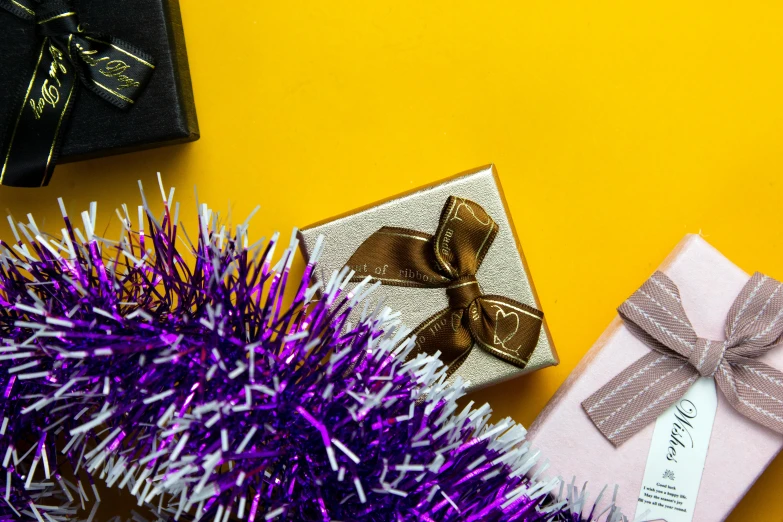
(644, 390)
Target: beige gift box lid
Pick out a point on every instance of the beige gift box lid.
(502, 272)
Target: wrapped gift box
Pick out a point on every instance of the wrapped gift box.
(164, 114)
(739, 450)
(502, 272)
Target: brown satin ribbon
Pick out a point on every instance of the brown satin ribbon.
(450, 259)
(644, 390)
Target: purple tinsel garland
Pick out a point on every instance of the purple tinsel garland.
(184, 380)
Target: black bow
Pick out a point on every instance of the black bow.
(114, 70)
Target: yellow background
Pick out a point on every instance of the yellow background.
(616, 127)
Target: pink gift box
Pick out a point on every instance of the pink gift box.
(739, 450)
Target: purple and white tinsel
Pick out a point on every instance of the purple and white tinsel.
(183, 379)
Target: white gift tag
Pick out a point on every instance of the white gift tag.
(677, 455)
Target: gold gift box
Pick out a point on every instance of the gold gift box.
(502, 272)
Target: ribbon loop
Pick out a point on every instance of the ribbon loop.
(465, 233)
(644, 390)
(112, 69)
(756, 317)
(56, 18)
(655, 314)
(451, 258)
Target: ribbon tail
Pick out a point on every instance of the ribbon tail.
(505, 328)
(114, 70)
(31, 144)
(754, 389)
(638, 395)
(444, 332)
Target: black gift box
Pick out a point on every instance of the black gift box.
(165, 114)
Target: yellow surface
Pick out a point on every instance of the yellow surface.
(616, 128)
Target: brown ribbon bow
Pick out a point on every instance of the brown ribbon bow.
(644, 390)
(450, 259)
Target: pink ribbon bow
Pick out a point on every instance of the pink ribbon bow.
(644, 390)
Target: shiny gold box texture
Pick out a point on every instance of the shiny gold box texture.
(502, 270)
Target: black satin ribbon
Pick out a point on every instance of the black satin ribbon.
(68, 56)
